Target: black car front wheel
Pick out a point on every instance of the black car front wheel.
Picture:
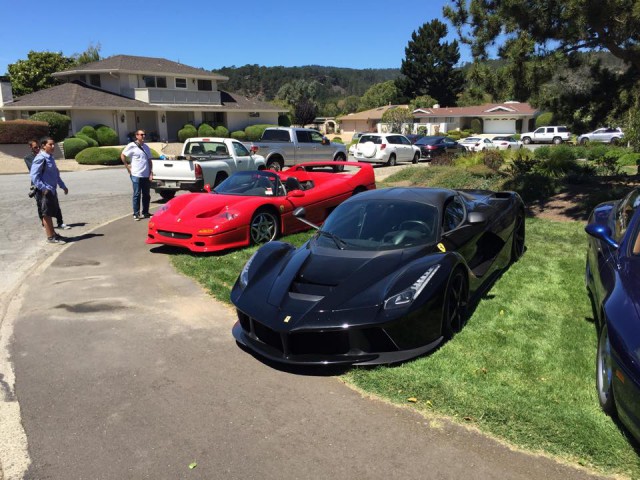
(264, 227)
(604, 372)
(455, 304)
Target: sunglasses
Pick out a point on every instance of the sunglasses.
(141, 134)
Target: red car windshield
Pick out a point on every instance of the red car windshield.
(252, 184)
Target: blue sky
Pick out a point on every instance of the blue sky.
(353, 34)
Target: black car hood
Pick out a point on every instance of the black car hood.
(324, 280)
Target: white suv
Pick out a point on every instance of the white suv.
(555, 135)
(388, 148)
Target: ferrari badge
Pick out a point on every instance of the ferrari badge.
(287, 318)
(441, 247)
(282, 208)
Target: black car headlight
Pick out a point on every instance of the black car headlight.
(244, 274)
(408, 295)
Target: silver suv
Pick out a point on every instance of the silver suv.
(606, 135)
(555, 135)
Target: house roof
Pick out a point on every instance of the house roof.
(373, 114)
(78, 95)
(487, 110)
(140, 65)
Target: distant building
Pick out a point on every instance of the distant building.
(128, 93)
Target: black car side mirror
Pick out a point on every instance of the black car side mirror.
(602, 233)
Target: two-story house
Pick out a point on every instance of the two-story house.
(128, 93)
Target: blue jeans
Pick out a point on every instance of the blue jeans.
(141, 187)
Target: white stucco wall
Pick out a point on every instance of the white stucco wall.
(81, 118)
(241, 120)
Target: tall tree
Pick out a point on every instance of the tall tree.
(378, 95)
(34, 73)
(91, 54)
(397, 119)
(304, 111)
(429, 67)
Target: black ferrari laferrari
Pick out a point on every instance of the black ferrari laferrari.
(388, 277)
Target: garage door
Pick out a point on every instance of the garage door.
(492, 125)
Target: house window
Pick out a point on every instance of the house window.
(151, 81)
(205, 85)
(94, 79)
(181, 83)
(254, 114)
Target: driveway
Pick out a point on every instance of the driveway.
(125, 369)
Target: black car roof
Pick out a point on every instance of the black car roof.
(427, 195)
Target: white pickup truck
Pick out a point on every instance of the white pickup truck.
(286, 146)
(202, 161)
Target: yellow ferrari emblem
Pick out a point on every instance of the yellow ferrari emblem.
(441, 247)
(282, 208)
(287, 318)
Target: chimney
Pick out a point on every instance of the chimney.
(6, 93)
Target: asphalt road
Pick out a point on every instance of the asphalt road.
(125, 369)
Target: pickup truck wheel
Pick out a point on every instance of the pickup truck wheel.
(557, 140)
(526, 140)
(392, 160)
(264, 227)
(275, 165)
(167, 194)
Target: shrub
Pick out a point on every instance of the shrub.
(188, 131)
(254, 132)
(608, 163)
(521, 165)
(58, 124)
(221, 131)
(557, 166)
(21, 131)
(89, 131)
(337, 140)
(580, 152)
(492, 159)
(239, 135)
(423, 131)
(476, 125)
(533, 186)
(595, 152)
(206, 130)
(562, 151)
(284, 120)
(629, 159)
(445, 159)
(90, 141)
(544, 119)
(73, 146)
(542, 153)
(107, 136)
(483, 171)
(99, 156)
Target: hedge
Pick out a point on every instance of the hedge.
(239, 135)
(90, 132)
(104, 156)
(284, 120)
(206, 130)
(21, 131)
(58, 124)
(254, 132)
(107, 136)
(221, 131)
(90, 141)
(73, 146)
(188, 131)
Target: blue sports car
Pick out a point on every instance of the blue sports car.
(613, 281)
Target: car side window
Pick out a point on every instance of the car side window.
(453, 214)
(240, 149)
(315, 137)
(539, 130)
(303, 137)
(624, 213)
(392, 139)
(404, 140)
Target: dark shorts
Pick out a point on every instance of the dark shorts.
(48, 205)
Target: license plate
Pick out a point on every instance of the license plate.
(171, 184)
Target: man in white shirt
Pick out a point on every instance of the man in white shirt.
(141, 172)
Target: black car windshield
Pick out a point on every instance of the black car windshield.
(253, 184)
(429, 140)
(380, 225)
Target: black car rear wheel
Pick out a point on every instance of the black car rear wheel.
(455, 304)
(604, 372)
(264, 227)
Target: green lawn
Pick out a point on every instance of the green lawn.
(521, 370)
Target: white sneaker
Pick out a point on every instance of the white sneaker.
(64, 226)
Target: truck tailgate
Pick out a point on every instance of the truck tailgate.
(179, 170)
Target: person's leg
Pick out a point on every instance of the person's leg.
(136, 195)
(47, 222)
(145, 186)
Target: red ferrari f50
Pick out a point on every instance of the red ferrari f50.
(257, 206)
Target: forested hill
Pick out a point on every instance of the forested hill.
(264, 82)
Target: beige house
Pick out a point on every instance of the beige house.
(495, 118)
(127, 93)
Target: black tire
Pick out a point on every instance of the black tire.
(584, 141)
(615, 141)
(275, 164)
(220, 177)
(416, 158)
(264, 227)
(604, 373)
(358, 190)
(526, 140)
(339, 158)
(167, 194)
(454, 311)
(392, 160)
(517, 245)
(557, 140)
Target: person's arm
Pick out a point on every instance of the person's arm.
(123, 158)
(62, 185)
(36, 173)
(148, 152)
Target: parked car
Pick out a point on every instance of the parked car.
(414, 137)
(253, 207)
(433, 146)
(605, 135)
(555, 135)
(505, 142)
(387, 278)
(388, 148)
(477, 144)
(613, 281)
